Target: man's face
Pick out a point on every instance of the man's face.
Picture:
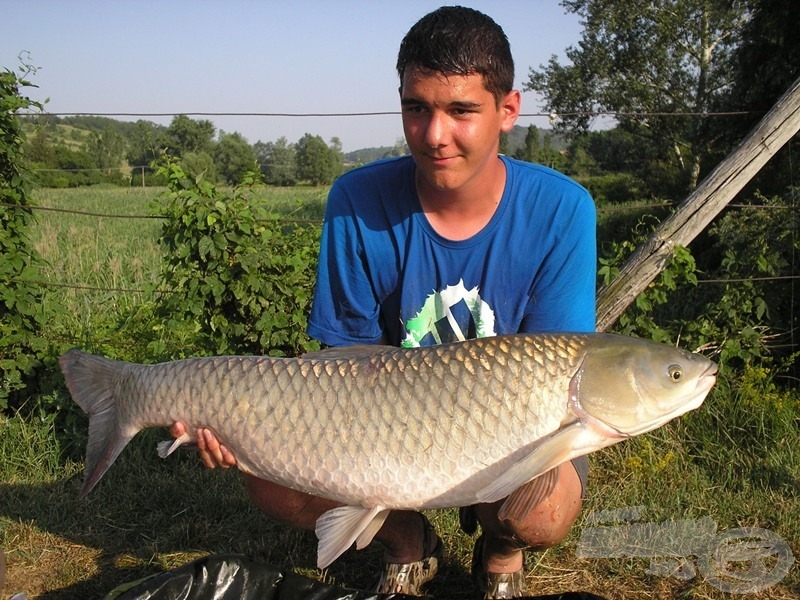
(452, 126)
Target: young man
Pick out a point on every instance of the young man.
(452, 242)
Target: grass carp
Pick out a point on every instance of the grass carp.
(379, 428)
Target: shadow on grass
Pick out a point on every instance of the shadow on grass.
(147, 516)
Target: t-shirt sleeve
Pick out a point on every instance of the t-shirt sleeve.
(563, 296)
(345, 309)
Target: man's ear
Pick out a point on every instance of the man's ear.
(510, 106)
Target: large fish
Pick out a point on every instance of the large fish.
(378, 428)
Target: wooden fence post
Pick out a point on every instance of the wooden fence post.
(777, 127)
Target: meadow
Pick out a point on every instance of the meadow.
(731, 465)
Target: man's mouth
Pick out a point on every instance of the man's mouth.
(441, 160)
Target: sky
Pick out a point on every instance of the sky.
(249, 56)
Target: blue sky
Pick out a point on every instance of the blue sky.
(173, 56)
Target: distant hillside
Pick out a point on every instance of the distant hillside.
(366, 155)
(75, 131)
(516, 139)
(81, 126)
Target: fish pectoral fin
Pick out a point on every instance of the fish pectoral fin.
(167, 447)
(524, 498)
(338, 528)
(562, 445)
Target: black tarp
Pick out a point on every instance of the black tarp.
(231, 576)
(236, 577)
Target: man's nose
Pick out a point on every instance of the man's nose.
(436, 131)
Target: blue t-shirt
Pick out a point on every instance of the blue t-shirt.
(385, 272)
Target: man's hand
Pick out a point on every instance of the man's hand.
(212, 453)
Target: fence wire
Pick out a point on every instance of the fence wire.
(600, 210)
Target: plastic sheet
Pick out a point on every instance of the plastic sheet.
(229, 577)
(235, 577)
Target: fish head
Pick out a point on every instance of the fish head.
(633, 386)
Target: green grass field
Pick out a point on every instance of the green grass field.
(734, 462)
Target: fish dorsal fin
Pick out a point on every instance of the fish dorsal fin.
(338, 528)
(565, 444)
(358, 351)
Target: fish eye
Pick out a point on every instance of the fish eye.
(675, 373)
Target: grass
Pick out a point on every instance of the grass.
(101, 268)
(149, 515)
(734, 461)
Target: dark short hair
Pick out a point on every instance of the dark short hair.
(461, 41)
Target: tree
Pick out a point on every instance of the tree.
(765, 66)
(186, 135)
(107, 149)
(199, 164)
(529, 151)
(314, 162)
(647, 61)
(547, 155)
(39, 149)
(277, 161)
(145, 144)
(335, 157)
(765, 63)
(579, 162)
(400, 148)
(234, 157)
(503, 149)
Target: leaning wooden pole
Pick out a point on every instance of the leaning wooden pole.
(777, 127)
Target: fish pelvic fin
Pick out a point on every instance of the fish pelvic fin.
(90, 380)
(338, 528)
(562, 445)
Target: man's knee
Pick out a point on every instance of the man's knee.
(549, 522)
(286, 505)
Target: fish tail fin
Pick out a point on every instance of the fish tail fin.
(90, 382)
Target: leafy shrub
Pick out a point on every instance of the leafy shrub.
(242, 279)
(736, 315)
(23, 313)
(613, 188)
(645, 316)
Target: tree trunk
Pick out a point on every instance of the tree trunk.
(779, 125)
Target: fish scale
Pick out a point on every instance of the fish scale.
(378, 428)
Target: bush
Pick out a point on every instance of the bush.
(613, 188)
(23, 312)
(243, 279)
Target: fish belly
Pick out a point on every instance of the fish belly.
(401, 430)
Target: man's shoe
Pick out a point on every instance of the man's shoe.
(495, 585)
(409, 578)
